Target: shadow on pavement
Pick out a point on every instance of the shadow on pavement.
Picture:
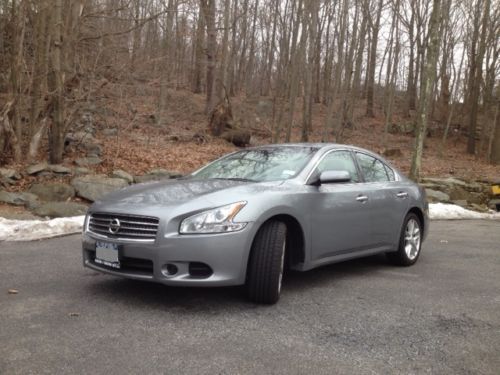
(194, 299)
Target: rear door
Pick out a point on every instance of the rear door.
(388, 198)
(339, 212)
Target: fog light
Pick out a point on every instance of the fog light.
(169, 269)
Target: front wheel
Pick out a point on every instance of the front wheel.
(266, 264)
(410, 242)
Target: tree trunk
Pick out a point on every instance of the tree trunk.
(56, 86)
(373, 62)
(476, 81)
(209, 12)
(428, 78)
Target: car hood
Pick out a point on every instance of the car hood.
(177, 192)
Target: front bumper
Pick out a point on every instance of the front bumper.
(225, 255)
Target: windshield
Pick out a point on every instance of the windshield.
(263, 164)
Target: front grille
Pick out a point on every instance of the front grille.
(131, 227)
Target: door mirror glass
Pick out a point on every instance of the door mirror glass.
(334, 176)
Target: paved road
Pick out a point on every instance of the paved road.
(440, 316)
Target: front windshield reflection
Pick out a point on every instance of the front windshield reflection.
(263, 164)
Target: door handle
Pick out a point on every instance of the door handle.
(402, 194)
(362, 198)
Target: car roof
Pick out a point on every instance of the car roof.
(317, 145)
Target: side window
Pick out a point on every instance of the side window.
(373, 169)
(390, 173)
(339, 161)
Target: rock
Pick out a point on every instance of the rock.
(18, 199)
(60, 209)
(479, 207)
(109, 132)
(437, 196)
(91, 160)
(60, 169)
(93, 187)
(238, 137)
(118, 173)
(458, 193)
(4, 181)
(10, 174)
(81, 170)
(147, 178)
(494, 204)
(36, 168)
(392, 152)
(478, 198)
(156, 175)
(461, 203)
(79, 138)
(53, 191)
(93, 149)
(160, 172)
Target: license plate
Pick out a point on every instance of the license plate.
(107, 254)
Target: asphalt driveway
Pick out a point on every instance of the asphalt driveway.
(440, 316)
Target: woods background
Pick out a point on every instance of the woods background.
(422, 64)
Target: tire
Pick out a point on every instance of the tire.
(410, 242)
(266, 263)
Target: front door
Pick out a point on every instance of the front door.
(339, 212)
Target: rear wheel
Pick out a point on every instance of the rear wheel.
(266, 264)
(410, 242)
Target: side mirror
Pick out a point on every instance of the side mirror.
(334, 176)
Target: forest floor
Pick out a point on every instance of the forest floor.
(182, 144)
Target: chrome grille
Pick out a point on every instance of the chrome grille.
(130, 227)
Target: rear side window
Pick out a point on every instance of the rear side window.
(339, 161)
(390, 173)
(373, 169)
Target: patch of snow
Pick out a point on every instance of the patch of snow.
(29, 230)
(442, 211)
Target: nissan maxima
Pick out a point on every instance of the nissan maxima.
(248, 216)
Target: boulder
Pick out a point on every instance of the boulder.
(156, 175)
(91, 160)
(36, 168)
(461, 203)
(79, 138)
(148, 178)
(494, 204)
(437, 196)
(93, 149)
(93, 187)
(478, 207)
(160, 172)
(60, 209)
(18, 199)
(59, 169)
(118, 173)
(81, 170)
(53, 191)
(10, 174)
(109, 132)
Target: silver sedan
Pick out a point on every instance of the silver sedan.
(245, 218)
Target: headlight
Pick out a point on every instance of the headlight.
(217, 220)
